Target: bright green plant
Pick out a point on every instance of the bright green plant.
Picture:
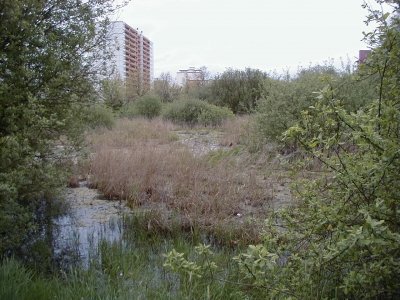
(176, 262)
(285, 98)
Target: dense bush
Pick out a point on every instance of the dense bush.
(213, 115)
(128, 111)
(98, 116)
(46, 78)
(148, 106)
(285, 99)
(239, 90)
(113, 93)
(195, 111)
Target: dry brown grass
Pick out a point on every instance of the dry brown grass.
(127, 133)
(140, 161)
(236, 131)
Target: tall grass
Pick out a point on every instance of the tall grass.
(139, 162)
(236, 131)
(127, 133)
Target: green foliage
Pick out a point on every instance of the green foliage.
(165, 88)
(200, 91)
(284, 99)
(46, 80)
(184, 111)
(148, 106)
(128, 111)
(213, 115)
(342, 238)
(238, 90)
(194, 111)
(98, 115)
(113, 93)
(176, 262)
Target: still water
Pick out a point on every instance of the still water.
(89, 219)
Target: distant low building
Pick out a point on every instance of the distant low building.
(190, 77)
(363, 55)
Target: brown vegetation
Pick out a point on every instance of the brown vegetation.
(236, 130)
(142, 162)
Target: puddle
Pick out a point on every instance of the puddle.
(88, 221)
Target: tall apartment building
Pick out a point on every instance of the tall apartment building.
(131, 54)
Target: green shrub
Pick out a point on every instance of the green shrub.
(214, 115)
(113, 93)
(148, 106)
(128, 111)
(284, 99)
(238, 89)
(185, 111)
(99, 116)
(194, 111)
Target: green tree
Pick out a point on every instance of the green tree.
(165, 88)
(114, 93)
(342, 239)
(285, 98)
(239, 90)
(47, 74)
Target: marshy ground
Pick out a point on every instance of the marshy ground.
(188, 178)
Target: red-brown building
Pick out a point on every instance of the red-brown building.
(362, 55)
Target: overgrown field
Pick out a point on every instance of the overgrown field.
(203, 182)
(245, 185)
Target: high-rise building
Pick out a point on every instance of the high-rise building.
(131, 54)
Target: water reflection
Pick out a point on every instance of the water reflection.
(76, 235)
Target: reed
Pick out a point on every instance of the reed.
(139, 162)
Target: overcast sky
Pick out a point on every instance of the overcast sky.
(263, 34)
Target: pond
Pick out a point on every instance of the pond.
(88, 220)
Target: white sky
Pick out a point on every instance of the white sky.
(263, 34)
